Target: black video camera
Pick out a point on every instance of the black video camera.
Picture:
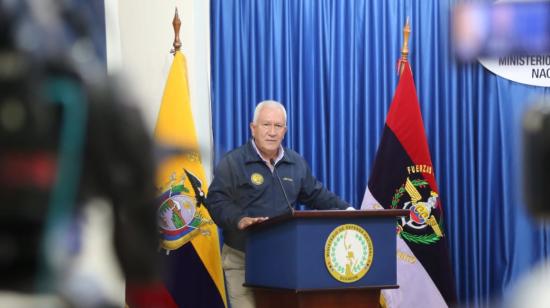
(62, 142)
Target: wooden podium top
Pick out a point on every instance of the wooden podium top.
(329, 214)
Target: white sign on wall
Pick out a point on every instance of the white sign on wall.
(531, 70)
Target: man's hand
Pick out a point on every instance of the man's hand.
(245, 222)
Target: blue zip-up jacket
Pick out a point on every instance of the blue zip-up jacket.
(243, 185)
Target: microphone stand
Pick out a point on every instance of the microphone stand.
(272, 162)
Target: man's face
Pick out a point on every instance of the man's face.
(269, 130)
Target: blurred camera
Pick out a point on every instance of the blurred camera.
(64, 141)
(536, 157)
(29, 139)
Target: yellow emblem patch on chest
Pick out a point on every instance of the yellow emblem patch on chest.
(257, 178)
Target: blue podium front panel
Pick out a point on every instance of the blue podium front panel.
(271, 257)
(292, 254)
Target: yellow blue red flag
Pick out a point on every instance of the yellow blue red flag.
(189, 241)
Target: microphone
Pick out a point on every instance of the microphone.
(272, 162)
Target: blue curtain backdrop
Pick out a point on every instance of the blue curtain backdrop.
(333, 65)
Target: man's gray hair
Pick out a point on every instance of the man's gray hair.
(272, 103)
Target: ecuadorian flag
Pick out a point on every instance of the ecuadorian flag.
(192, 272)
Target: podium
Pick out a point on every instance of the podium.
(322, 258)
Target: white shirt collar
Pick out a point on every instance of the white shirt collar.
(277, 159)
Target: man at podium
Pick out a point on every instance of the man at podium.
(259, 180)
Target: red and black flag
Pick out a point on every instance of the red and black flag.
(403, 178)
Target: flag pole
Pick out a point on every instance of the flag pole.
(176, 23)
(405, 48)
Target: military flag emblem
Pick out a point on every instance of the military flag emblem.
(422, 226)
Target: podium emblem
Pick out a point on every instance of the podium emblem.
(348, 253)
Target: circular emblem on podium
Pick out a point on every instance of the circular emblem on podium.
(348, 253)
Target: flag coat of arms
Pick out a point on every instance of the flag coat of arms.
(403, 178)
(192, 272)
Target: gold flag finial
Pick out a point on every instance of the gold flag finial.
(176, 23)
(405, 48)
